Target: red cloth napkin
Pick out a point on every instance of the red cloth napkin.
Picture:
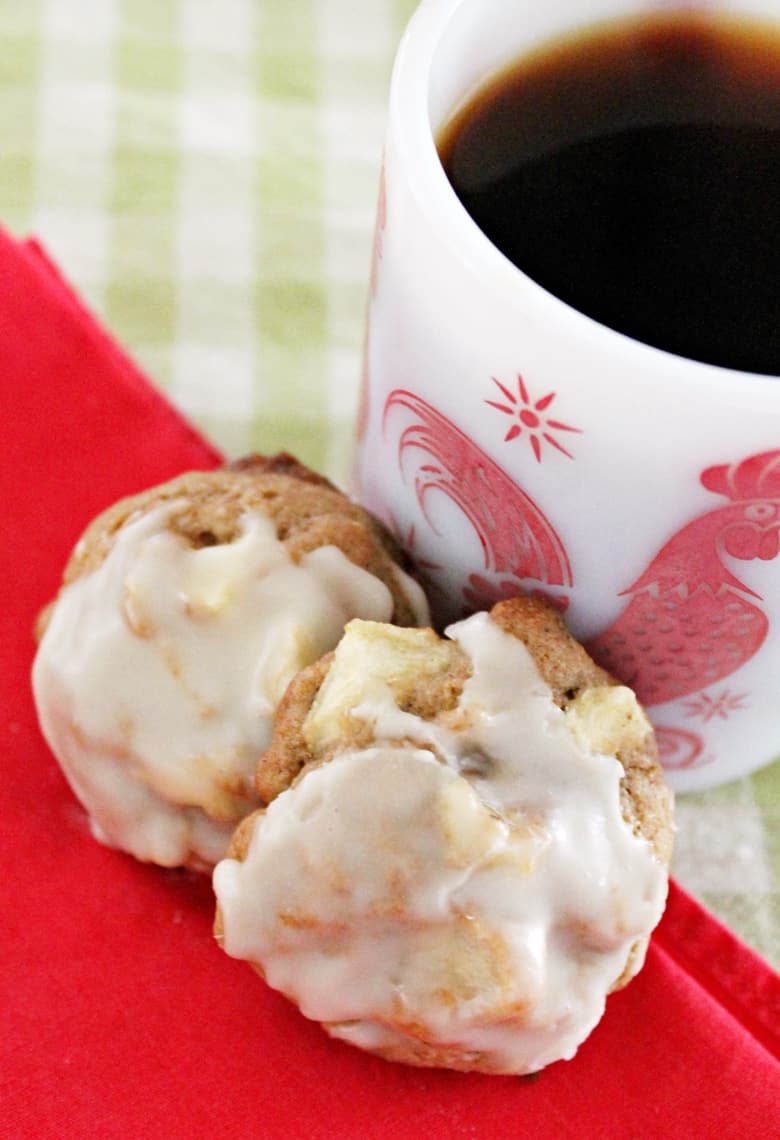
(120, 1017)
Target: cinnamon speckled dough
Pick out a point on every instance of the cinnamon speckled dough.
(184, 612)
(307, 510)
(413, 703)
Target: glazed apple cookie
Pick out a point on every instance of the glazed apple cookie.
(184, 613)
(465, 846)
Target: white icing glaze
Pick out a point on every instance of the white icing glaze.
(159, 674)
(476, 886)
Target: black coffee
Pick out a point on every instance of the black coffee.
(635, 174)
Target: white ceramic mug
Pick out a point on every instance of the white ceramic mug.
(511, 442)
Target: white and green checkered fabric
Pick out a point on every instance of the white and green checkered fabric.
(206, 174)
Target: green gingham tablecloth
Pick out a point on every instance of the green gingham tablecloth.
(205, 172)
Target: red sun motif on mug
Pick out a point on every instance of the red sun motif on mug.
(528, 418)
(707, 707)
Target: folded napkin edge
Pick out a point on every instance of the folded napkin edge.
(41, 263)
(730, 971)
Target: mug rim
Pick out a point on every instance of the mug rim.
(413, 134)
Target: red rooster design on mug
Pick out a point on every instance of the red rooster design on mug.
(520, 547)
(689, 621)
